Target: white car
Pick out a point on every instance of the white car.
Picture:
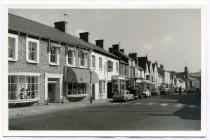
(147, 93)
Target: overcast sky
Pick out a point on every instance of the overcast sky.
(171, 37)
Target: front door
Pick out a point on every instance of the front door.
(52, 92)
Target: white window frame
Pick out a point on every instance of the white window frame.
(27, 50)
(16, 47)
(57, 52)
(74, 57)
(86, 62)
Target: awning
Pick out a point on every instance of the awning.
(78, 75)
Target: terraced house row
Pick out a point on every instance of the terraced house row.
(46, 64)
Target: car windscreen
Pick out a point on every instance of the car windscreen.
(120, 92)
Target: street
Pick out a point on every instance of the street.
(169, 112)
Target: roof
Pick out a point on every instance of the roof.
(123, 62)
(142, 61)
(31, 27)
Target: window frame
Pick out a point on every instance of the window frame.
(27, 50)
(57, 54)
(86, 60)
(16, 47)
(117, 66)
(74, 57)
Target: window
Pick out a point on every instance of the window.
(22, 87)
(32, 50)
(71, 57)
(54, 54)
(83, 59)
(117, 67)
(12, 47)
(100, 63)
(93, 61)
(76, 88)
(101, 87)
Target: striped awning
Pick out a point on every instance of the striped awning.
(78, 75)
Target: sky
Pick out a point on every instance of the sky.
(171, 37)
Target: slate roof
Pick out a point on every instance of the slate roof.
(20, 24)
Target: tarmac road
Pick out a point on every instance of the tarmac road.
(169, 112)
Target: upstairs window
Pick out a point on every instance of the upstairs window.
(54, 54)
(83, 59)
(117, 67)
(12, 47)
(32, 50)
(93, 61)
(100, 63)
(71, 57)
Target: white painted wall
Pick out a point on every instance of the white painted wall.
(103, 74)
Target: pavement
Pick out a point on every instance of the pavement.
(169, 112)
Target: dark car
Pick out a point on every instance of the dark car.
(164, 91)
(137, 91)
(155, 92)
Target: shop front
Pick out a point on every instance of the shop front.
(77, 83)
(117, 83)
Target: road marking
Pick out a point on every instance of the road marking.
(150, 103)
(179, 105)
(163, 104)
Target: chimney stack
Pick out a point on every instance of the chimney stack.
(111, 50)
(161, 66)
(133, 56)
(61, 25)
(100, 43)
(84, 36)
(122, 50)
(115, 48)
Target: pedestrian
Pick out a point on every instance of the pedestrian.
(180, 90)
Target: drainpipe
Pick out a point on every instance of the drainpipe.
(91, 96)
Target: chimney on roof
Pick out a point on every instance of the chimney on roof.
(100, 43)
(111, 50)
(61, 25)
(133, 56)
(156, 63)
(115, 48)
(84, 36)
(122, 50)
(161, 66)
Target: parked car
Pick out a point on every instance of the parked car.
(123, 95)
(146, 93)
(137, 91)
(155, 92)
(164, 91)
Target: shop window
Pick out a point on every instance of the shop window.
(71, 57)
(32, 50)
(76, 88)
(12, 47)
(22, 87)
(54, 54)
